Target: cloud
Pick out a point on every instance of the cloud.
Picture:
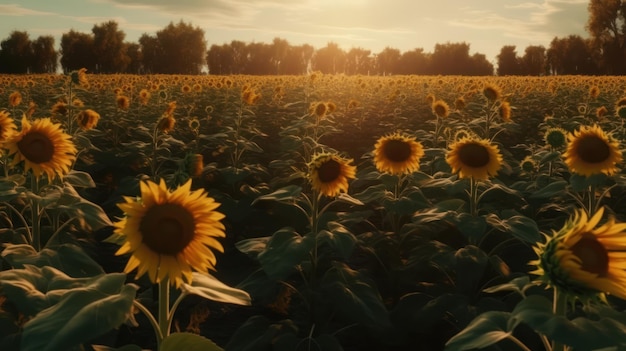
(17, 10)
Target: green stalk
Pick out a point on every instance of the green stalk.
(473, 197)
(559, 307)
(34, 209)
(164, 310)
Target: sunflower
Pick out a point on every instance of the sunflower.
(144, 96)
(169, 234)
(123, 102)
(590, 151)
(166, 123)
(441, 109)
(329, 173)
(44, 148)
(583, 259)
(491, 92)
(7, 126)
(505, 111)
(398, 154)
(555, 137)
(474, 157)
(88, 119)
(15, 99)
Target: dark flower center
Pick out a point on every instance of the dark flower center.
(397, 150)
(36, 147)
(592, 254)
(329, 171)
(592, 149)
(167, 229)
(474, 155)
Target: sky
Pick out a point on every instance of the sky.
(486, 25)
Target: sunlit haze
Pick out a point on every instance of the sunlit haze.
(487, 25)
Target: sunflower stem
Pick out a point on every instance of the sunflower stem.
(164, 310)
(473, 197)
(34, 209)
(559, 308)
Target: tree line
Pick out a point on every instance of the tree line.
(181, 48)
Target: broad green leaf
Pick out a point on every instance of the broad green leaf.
(252, 246)
(343, 197)
(485, 330)
(68, 258)
(372, 193)
(355, 297)
(81, 315)
(284, 251)
(79, 179)
(339, 238)
(259, 333)
(471, 264)
(211, 288)
(288, 193)
(519, 285)
(549, 191)
(128, 347)
(188, 342)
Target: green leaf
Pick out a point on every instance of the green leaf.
(355, 297)
(211, 288)
(258, 333)
(188, 342)
(549, 191)
(485, 330)
(81, 315)
(339, 238)
(343, 197)
(286, 194)
(284, 251)
(252, 246)
(128, 347)
(581, 332)
(519, 285)
(68, 258)
(471, 264)
(79, 179)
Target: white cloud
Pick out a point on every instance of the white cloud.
(17, 10)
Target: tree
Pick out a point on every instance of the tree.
(279, 48)
(177, 49)
(534, 60)
(77, 51)
(479, 66)
(387, 61)
(451, 58)
(607, 26)
(329, 59)
(109, 48)
(571, 55)
(508, 62)
(358, 61)
(135, 56)
(44, 55)
(415, 61)
(260, 59)
(16, 53)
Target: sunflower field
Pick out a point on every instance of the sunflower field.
(318, 212)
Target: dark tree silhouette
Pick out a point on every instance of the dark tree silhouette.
(177, 49)
(330, 59)
(16, 53)
(508, 62)
(44, 55)
(607, 26)
(358, 61)
(109, 48)
(534, 60)
(571, 55)
(77, 51)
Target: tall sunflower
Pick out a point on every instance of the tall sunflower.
(397, 154)
(43, 146)
(170, 234)
(7, 126)
(329, 173)
(591, 151)
(583, 259)
(474, 157)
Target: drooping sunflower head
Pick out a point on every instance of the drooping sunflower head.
(79, 77)
(329, 173)
(123, 102)
(144, 96)
(594, 92)
(591, 151)
(474, 158)
(170, 233)
(601, 112)
(87, 119)
(584, 259)
(15, 99)
(555, 137)
(460, 103)
(505, 111)
(491, 92)
(44, 148)
(7, 126)
(441, 109)
(398, 154)
(166, 123)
